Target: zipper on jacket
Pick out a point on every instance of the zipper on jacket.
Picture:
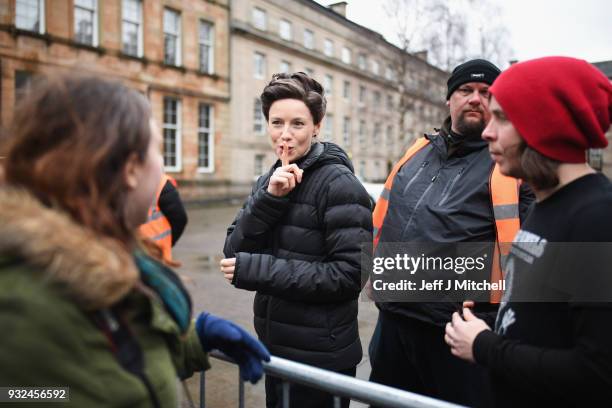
(416, 206)
(449, 188)
(413, 178)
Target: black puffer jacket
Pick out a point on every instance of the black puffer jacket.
(301, 253)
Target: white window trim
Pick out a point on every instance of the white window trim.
(256, 74)
(179, 36)
(330, 52)
(211, 142)
(290, 32)
(41, 17)
(283, 62)
(264, 26)
(95, 22)
(329, 85)
(140, 46)
(179, 144)
(211, 59)
(260, 117)
(309, 46)
(346, 52)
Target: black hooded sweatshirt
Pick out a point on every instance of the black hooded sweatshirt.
(302, 253)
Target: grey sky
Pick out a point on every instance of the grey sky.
(577, 28)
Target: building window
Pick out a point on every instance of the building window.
(207, 47)
(362, 133)
(390, 135)
(308, 39)
(328, 85)
(259, 65)
(328, 47)
(389, 73)
(362, 94)
(361, 62)
(29, 15)
(346, 90)
(346, 131)
(172, 134)
(23, 81)
(172, 37)
(206, 143)
(285, 30)
(328, 127)
(86, 22)
(259, 19)
(377, 98)
(259, 165)
(375, 67)
(376, 135)
(362, 169)
(389, 101)
(285, 67)
(132, 27)
(595, 158)
(258, 117)
(346, 55)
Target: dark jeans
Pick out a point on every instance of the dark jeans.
(411, 355)
(301, 396)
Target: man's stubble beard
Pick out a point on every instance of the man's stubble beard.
(470, 129)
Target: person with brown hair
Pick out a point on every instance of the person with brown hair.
(297, 242)
(551, 344)
(81, 303)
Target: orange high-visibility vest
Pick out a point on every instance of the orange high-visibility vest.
(504, 192)
(157, 228)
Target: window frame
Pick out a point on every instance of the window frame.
(264, 21)
(256, 74)
(288, 36)
(41, 18)
(309, 45)
(94, 28)
(179, 37)
(178, 143)
(210, 70)
(140, 45)
(210, 134)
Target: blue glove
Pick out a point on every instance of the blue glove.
(231, 339)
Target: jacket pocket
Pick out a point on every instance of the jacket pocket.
(449, 187)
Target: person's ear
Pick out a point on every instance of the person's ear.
(317, 129)
(131, 170)
(448, 103)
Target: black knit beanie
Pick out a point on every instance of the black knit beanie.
(477, 70)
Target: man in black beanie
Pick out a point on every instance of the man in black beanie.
(444, 190)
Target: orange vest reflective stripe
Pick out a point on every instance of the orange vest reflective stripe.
(504, 192)
(157, 228)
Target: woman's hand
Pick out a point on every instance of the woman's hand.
(227, 267)
(460, 333)
(284, 179)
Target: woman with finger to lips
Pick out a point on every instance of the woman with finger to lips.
(297, 242)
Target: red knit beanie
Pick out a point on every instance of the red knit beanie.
(561, 106)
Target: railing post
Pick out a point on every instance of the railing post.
(202, 389)
(285, 394)
(240, 391)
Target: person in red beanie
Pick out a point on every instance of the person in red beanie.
(552, 340)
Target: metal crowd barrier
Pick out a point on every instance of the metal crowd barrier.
(336, 384)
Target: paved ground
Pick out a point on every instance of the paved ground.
(200, 250)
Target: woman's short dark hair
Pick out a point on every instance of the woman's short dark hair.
(71, 138)
(538, 170)
(295, 86)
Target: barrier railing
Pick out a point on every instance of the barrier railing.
(336, 384)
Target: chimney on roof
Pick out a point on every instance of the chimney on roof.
(339, 8)
(421, 55)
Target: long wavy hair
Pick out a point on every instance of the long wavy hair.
(69, 142)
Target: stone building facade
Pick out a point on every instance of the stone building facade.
(174, 51)
(357, 69)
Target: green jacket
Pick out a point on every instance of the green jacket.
(48, 336)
